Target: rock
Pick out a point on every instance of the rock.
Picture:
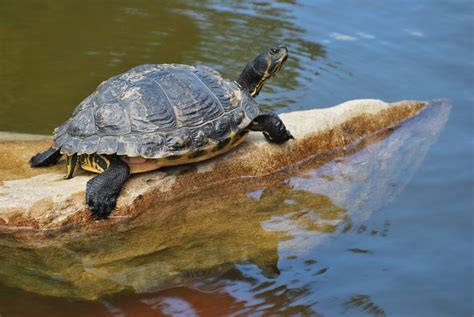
(199, 220)
(41, 199)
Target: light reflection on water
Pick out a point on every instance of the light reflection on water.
(328, 240)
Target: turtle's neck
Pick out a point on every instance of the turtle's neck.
(250, 80)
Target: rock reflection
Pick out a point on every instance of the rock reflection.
(362, 182)
(366, 180)
(177, 243)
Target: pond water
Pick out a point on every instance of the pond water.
(384, 231)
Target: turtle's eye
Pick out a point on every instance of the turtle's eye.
(274, 50)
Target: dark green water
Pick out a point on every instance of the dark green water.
(403, 245)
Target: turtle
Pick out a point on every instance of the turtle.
(158, 115)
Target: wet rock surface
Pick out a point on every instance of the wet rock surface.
(219, 215)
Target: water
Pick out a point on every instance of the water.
(375, 233)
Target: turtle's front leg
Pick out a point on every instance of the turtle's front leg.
(103, 190)
(272, 127)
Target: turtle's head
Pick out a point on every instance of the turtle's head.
(264, 66)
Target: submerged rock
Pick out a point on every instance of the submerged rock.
(254, 205)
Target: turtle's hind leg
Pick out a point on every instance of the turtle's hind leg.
(103, 190)
(49, 157)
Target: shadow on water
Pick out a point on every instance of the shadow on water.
(72, 55)
(253, 246)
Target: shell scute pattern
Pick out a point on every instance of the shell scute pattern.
(199, 137)
(237, 118)
(178, 140)
(71, 144)
(149, 108)
(157, 111)
(139, 73)
(89, 145)
(82, 125)
(249, 105)
(224, 90)
(107, 145)
(131, 143)
(192, 102)
(137, 111)
(111, 119)
(111, 90)
(60, 134)
(152, 145)
(221, 127)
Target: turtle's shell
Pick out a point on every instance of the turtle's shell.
(155, 111)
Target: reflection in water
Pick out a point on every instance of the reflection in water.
(365, 303)
(70, 61)
(255, 243)
(211, 230)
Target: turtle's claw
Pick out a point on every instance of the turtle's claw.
(101, 206)
(101, 200)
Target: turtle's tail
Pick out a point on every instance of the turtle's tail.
(49, 157)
